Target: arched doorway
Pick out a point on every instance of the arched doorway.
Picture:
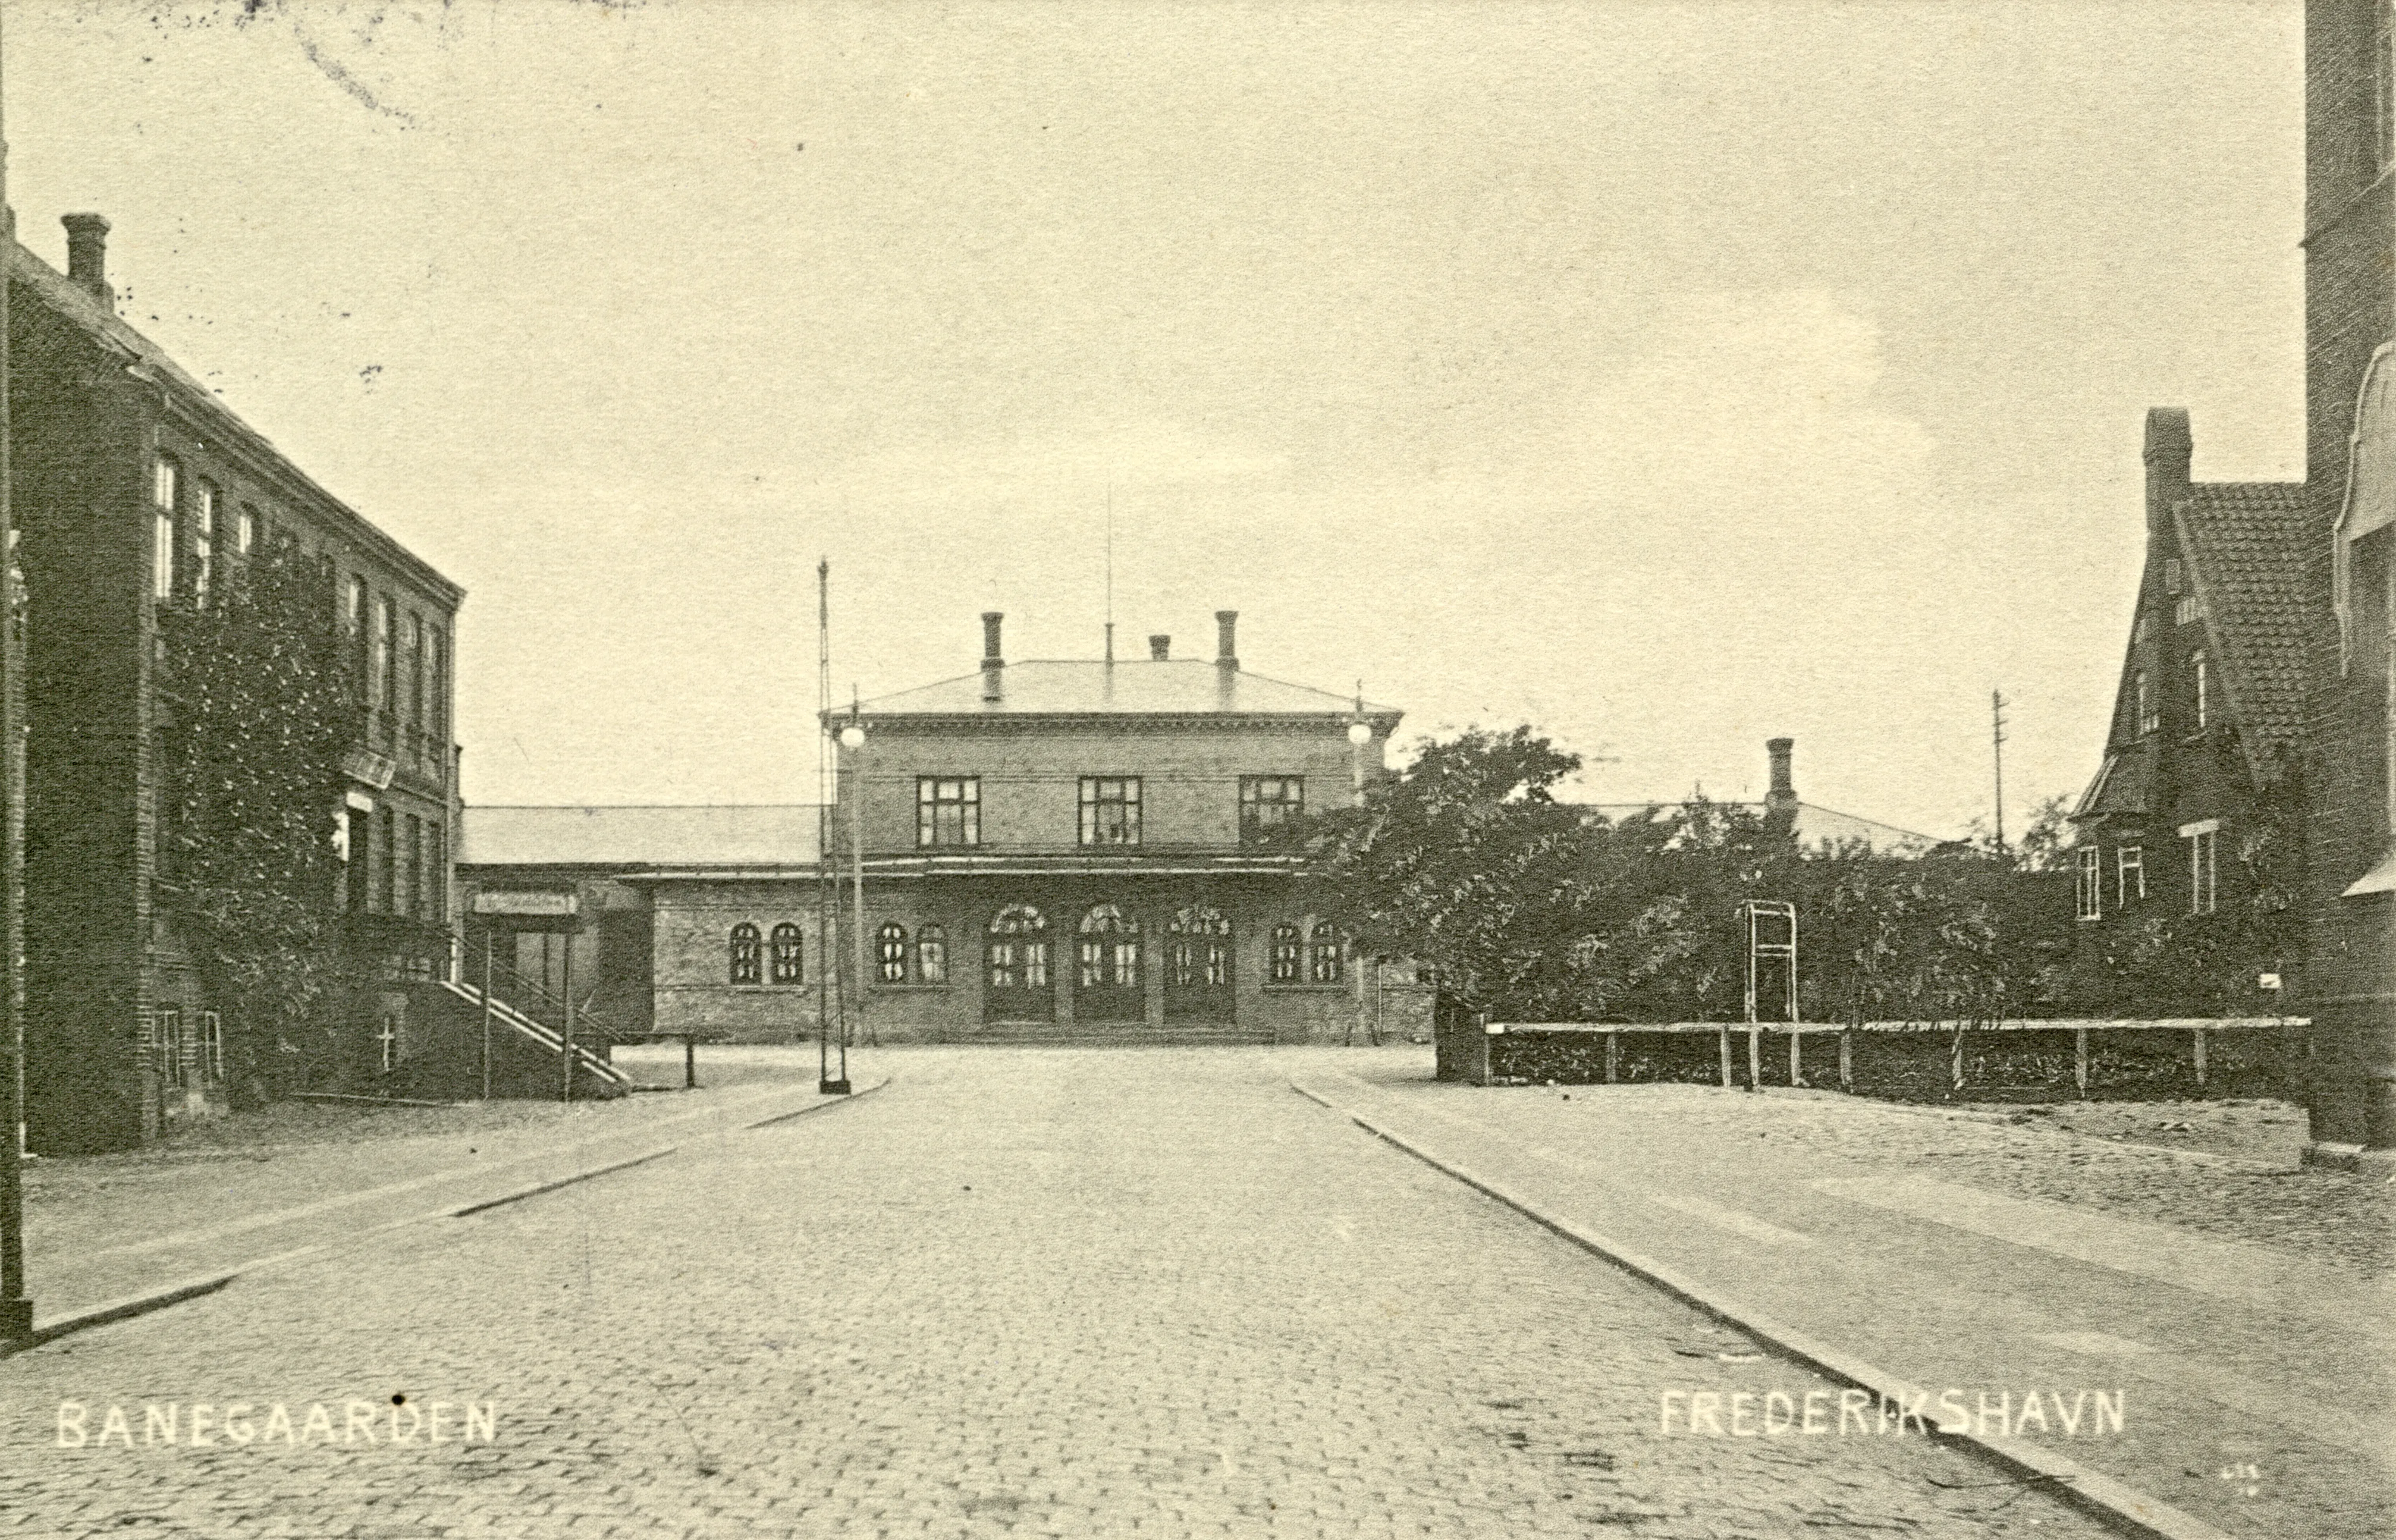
(1107, 981)
(1198, 966)
(1016, 981)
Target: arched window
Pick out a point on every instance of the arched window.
(1324, 964)
(1198, 949)
(931, 955)
(890, 953)
(1288, 957)
(1110, 950)
(745, 957)
(1018, 949)
(790, 954)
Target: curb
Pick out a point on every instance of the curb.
(123, 1309)
(2113, 1502)
(818, 1106)
(538, 1187)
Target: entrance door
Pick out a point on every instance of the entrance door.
(1106, 982)
(1014, 978)
(1198, 966)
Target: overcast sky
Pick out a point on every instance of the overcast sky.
(1672, 377)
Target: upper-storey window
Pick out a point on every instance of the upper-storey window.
(1268, 803)
(948, 810)
(2171, 575)
(2088, 885)
(165, 487)
(204, 541)
(2204, 848)
(436, 709)
(2143, 701)
(2130, 867)
(2200, 683)
(1110, 810)
(244, 531)
(380, 664)
(2187, 611)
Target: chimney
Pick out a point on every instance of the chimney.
(992, 661)
(2169, 448)
(1784, 790)
(88, 256)
(1227, 650)
(1160, 647)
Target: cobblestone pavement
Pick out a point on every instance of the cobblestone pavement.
(1974, 1252)
(1034, 1293)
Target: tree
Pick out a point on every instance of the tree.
(258, 712)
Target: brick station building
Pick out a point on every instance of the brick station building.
(1071, 849)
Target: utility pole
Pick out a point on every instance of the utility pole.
(1997, 742)
(16, 1310)
(827, 886)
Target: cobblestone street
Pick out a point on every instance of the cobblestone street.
(1045, 1293)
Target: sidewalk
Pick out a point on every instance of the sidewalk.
(1950, 1253)
(103, 1227)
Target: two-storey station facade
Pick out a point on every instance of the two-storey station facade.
(1085, 850)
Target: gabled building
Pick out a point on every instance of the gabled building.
(1081, 849)
(135, 491)
(2192, 799)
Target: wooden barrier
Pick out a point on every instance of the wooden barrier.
(2010, 1060)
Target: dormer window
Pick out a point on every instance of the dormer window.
(2143, 702)
(2171, 575)
(2200, 680)
(2187, 611)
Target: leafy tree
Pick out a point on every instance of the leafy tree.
(259, 709)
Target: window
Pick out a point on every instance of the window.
(436, 708)
(2149, 714)
(948, 810)
(2138, 629)
(890, 953)
(165, 488)
(436, 871)
(2088, 888)
(1288, 956)
(357, 850)
(171, 1068)
(379, 656)
(1109, 950)
(2187, 611)
(1268, 803)
(789, 960)
(2171, 575)
(746, 967)
(415, 700)
(211, 1046)
(409, 883)
(244, 531)
(2130, 874)
(386, 861)
(1323, 961)
(1018, 949)
(2199, 681)
(931, 955)
(1198, 949)
(204, 541)
(1109, 810)
(2202, 844)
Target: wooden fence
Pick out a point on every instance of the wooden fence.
(2012, 1060)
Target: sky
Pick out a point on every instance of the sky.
(1669, 377)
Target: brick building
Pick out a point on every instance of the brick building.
(135, 489)
(1076, 850)
(2191, 810)
(2350, 986)
(699, 919)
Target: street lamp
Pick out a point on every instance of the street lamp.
(852, 738)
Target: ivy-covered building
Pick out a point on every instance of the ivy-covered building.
(241, 779)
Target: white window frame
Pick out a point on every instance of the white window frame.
(2200, 671)
(2129, 862)
(211, 1046)
(2089, 887)
(165, 493)
(2204, 839)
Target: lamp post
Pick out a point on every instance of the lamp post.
(16, 1309)
(852, 739)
